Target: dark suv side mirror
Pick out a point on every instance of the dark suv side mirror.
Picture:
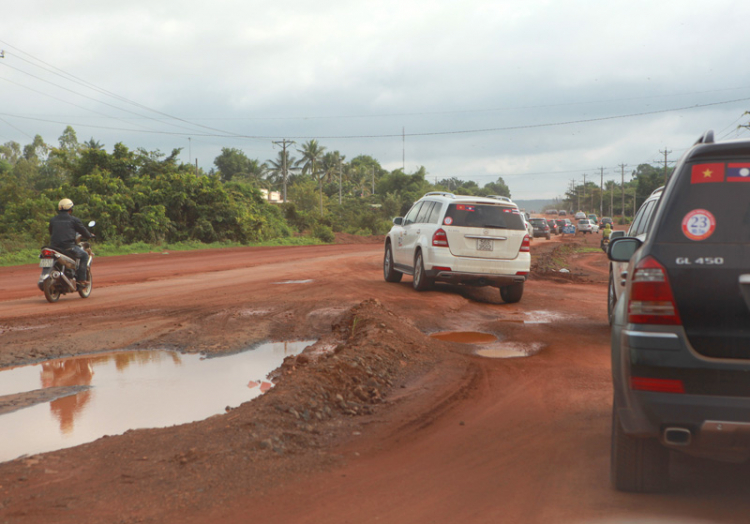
(622, 249)
(398, 221)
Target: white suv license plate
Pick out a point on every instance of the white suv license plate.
(47, 262)
(484, 244)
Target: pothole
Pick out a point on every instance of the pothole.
(510, 350)
(465, 337)
(488, 345)
(130, 390)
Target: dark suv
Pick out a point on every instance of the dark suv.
(541, 227)
(681, 328)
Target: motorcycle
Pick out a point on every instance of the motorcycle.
(59, 271)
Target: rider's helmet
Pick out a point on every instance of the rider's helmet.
(65, 204)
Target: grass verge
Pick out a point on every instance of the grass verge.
(30, 255)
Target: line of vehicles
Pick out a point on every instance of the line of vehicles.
(678, 301)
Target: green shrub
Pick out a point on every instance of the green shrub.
(323, 233)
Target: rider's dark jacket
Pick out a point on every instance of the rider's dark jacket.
(63, 228)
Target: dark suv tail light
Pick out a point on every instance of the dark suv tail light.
(440, 239)
(525, 245)
(651, 299)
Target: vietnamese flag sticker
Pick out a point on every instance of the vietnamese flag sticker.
(703, 173)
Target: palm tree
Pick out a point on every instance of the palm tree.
(276, 169)
(312, 155)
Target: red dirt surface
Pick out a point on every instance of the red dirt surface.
(377, 422)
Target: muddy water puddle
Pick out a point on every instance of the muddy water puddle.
(510, 350)
(465, 337)
(488, 345)
(130, 390)
(294, 282)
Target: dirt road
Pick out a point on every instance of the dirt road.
(380, 424)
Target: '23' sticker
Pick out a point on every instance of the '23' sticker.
(699, 224)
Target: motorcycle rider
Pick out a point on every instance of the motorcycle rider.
(62, 229)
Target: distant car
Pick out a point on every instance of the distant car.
(587, 226)
(604, 221)
(541, 227)
(580, 215)
(593, 218)
(563, 223)
(552, 211)
(468, 240)
(562, 213)
(553, 227)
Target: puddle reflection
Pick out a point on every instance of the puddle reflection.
(465, 337)
(130, 390)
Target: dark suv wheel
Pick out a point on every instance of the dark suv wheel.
(639, 465)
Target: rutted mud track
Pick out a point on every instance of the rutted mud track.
(382, 424)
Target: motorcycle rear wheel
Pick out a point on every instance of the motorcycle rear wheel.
(85, 292)
(50, 292)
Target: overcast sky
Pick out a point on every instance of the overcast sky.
(537, 92)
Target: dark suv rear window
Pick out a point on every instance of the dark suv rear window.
(483, 215)
(711, 206)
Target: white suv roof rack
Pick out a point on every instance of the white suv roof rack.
(440, 193)
(500, 197)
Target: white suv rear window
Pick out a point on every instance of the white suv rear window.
(484, 216)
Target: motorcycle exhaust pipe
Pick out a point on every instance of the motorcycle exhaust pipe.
(67, 281)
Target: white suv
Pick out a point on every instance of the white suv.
(460, 240)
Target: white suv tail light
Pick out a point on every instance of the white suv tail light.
(525, 245)
(440, 238)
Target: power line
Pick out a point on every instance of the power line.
(100, 90)
(425, 134)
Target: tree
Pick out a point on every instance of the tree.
(647, 179)
(312, 155)
(278, 170)
(93, 144)
(10, 151)
(499, 187)
(233, 162)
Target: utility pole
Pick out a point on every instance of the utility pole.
(622, 186)
(403, 149)
(339, 182)
(190, 150)
(665, 163)
(584, 191)
(196, 167)
(601, 191)
(373, 180)
(284, 143)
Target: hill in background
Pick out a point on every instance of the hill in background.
(535, 205)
